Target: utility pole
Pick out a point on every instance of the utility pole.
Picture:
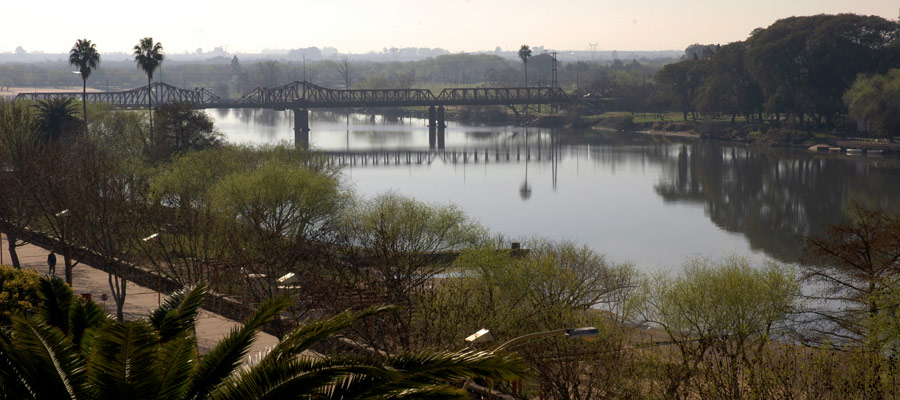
(304, 67)
(593, 50)
(555, 73)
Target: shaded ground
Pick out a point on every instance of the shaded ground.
(139, 300)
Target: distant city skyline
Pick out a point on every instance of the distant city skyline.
(354, 26)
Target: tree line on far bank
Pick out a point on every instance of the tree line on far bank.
(800, 69)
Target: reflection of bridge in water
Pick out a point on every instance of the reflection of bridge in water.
(459, 155)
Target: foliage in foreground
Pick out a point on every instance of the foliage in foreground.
(71, 351)
(18, 292)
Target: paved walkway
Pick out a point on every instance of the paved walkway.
(139, 301)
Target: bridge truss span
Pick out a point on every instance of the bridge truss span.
(304, 95)
(502, 96)
(307, 95)
(161, 93)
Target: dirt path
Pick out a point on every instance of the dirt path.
(139, 301)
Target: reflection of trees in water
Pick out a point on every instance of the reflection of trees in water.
(261, 116)
(269, 118)
(773, 197)
(327, 116)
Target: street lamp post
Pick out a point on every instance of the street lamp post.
(63, 216)
(158, 271)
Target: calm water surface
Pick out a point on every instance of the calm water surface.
(652, 201)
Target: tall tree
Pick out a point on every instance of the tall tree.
(524, 54)
(854, 264)
(148, 56)
(56, 119)
(685, 79)
(84, 55)
(804, 65)
(345, 68)
(876, 100)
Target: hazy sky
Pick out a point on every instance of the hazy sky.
(359, 26)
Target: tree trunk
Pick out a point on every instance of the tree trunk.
(84, 100)
(118, 287)
(11, 238)
(67, 264)
(150, 102)
(526, 73)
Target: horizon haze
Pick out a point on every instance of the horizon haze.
(354, 26)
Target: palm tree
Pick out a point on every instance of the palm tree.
(84, 55)
(524, 54)
(148, 57)
(56, 118)
(157, 358)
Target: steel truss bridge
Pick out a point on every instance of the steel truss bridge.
(160, 93)
(304, 95)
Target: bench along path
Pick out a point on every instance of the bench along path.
(139, 300)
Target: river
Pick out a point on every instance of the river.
(650, 200)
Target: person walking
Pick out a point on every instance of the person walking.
(51, 263)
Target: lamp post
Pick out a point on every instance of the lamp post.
(158, 271)
(67, 252)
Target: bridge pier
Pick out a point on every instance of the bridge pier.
(432, 137)
(301, 128)
(441, 122)
(432, 117)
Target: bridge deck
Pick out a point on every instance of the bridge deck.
(305, 95)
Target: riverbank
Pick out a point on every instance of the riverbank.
(734, 132)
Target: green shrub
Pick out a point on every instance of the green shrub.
(18, 292)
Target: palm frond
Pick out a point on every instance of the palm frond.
(83, 315)
(51, 365)
(360, 386)
(121, 361)
(12, 379)
(436, 367)
(174, 367)
(298, 377)
(307, 335)
(56, 299)
(178, 314)
(221, 362)
(432, 392)
(425, 375)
